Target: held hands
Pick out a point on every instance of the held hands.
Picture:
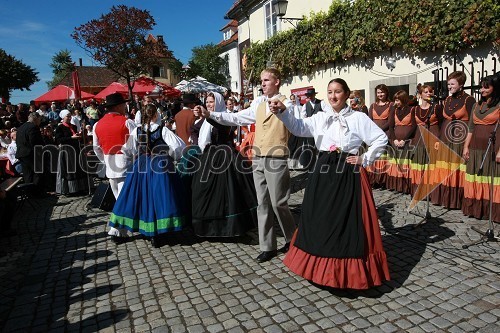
(399, 143)
(200, 110)
(354, 160)
(276, 106)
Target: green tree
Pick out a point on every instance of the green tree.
(14, 75)
(206, 62)
(176, 66)
(62, 64)
(118, 41)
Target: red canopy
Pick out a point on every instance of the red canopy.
(142, 86)
(60, 93)
(145, 85)
(114, 87)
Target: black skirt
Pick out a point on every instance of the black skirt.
(333, 190)
(224, 202)
(338, 242)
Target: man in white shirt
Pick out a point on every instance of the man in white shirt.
(230, 103)
(270, 164)
(110, 135)
(312, 106)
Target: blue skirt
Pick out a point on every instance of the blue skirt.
(151, 200)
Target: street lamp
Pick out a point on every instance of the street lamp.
(280, 8)
(390, 62)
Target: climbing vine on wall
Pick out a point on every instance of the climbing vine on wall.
(364, 27)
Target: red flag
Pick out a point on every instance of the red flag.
(76, 84)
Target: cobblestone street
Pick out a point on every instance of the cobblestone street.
(62, 273)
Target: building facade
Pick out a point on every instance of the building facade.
(259, 21)
(230, 53)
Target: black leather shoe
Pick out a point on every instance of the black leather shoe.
(285, 248)
(266, 256)
(155, 242)
(118, 240)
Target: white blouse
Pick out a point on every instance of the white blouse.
(175, 143)
(347, 133)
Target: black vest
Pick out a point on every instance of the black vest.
(310, 110)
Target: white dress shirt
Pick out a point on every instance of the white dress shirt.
(247, 116)
(347, 132)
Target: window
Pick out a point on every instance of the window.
(158, 71)
(271, 19)
(227, 34)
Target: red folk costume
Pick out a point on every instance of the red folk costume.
(402, 126)
(449, 193)
(477, 187)
(377, 173)
(110, 134)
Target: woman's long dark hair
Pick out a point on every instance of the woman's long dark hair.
(492, 81)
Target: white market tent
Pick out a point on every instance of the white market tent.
(199, 84)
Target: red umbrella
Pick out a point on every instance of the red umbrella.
(114, 87)
(61, 93)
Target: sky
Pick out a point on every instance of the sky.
(34, 31)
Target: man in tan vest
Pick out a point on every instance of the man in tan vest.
(270, 165)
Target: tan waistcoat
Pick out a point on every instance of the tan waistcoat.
(271, 135)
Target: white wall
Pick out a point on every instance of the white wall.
(255, 27)
(234, 68)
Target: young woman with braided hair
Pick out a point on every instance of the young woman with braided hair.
(151, 201)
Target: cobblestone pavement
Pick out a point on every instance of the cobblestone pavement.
(62, 273)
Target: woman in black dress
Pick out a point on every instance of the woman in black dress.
(224, 203)
(70, 177)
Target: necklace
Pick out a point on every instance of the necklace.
(420, 115)
(452, 109)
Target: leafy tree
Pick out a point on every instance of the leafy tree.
(62, 64)
(176, 66)
(206, 62)
(14, 75)
(118, 41)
